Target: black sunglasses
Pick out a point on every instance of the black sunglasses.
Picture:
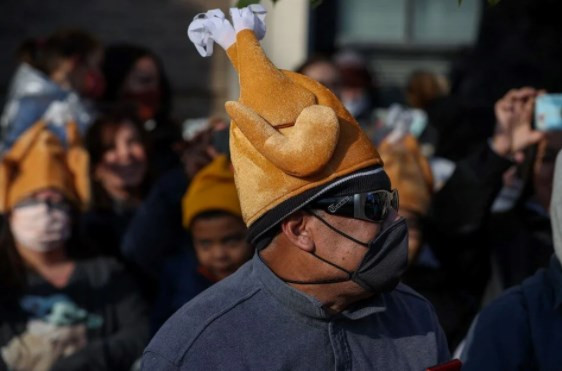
(370, 206)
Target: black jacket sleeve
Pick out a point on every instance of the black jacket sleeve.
(156, 229)
(455, 227)
(463, 203)
(128, 325)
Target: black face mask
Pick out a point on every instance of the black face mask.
(383, 264)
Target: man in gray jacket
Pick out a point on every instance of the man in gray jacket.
(322, 290)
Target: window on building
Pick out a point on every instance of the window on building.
(408, 22)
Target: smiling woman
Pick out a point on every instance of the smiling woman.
(119, 176)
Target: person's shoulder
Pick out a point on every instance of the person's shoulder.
(196, 318)
(508, 308)
(515, 302)
(405, 304)
(408, 293)
(405, 293)
(499, 337)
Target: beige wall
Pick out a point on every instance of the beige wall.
(285, 42)
(287, 35)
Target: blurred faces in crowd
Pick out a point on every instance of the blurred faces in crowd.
(135, 75)
(142, 85)
(424, 87)
(124, 160)
(70, 58)
(219, 240)
(324, 71)
(41, 222)
(212, 214)
(358, 85)
(119, 161)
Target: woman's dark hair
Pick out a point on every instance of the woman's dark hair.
(119, 61)
(46, 54)
(12, 269)
(96, 147)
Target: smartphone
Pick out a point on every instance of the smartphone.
(548, 112)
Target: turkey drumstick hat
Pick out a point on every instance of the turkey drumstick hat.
(291, 139)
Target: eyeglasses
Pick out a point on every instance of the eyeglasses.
(370, 206)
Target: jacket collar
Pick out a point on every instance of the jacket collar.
(307, 305)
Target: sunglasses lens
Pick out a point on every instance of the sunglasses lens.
(377, 203)
(375, 206)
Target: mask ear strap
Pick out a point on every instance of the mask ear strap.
(337, 230)
(323, 282)
(334, 280)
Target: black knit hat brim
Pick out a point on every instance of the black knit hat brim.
(363, 180)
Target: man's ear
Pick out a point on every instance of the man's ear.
(297, 229)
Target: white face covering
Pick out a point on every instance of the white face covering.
(39, 227)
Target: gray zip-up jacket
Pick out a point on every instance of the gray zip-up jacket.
(252, 320)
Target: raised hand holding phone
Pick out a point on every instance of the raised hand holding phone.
(514, 131)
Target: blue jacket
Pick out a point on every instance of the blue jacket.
(522, 329)
(252, 320)
(180, 281)
(155, 231)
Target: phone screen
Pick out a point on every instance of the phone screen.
(548, 112)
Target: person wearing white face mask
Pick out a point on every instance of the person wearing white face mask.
(58, 312)
(39, 224)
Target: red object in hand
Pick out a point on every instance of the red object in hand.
(454, 365)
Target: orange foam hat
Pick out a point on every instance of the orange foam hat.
(409, 172)
(38, 161)
(288, 134)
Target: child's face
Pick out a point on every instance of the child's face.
(220, 244)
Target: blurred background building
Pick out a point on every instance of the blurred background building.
(516, 41)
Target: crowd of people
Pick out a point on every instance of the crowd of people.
(111, 220)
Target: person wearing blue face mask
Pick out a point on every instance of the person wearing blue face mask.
(322, 291)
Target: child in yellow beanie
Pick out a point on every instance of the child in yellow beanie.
(212, 215)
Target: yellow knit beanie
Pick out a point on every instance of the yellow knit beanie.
(211, 189)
